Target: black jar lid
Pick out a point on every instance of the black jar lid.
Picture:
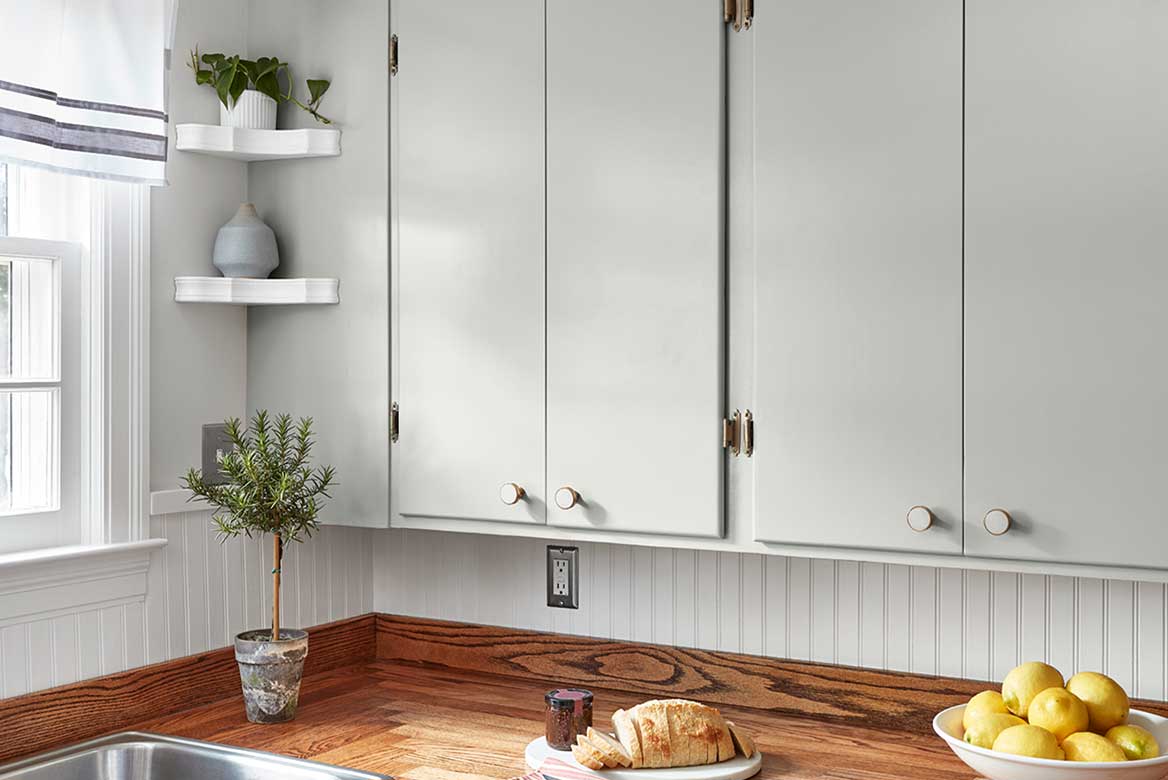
(567, 698)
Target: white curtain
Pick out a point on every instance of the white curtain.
(83, 86)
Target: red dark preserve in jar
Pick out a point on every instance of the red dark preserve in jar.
(567, 712)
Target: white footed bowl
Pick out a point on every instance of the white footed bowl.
(1003, 766)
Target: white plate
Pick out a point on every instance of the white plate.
(737, 768)
(1003, 766)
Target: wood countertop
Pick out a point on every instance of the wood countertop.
(434, 700)
(422, 722)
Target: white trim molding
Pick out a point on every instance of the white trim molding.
(173, 502)
(43, 583)
(120, 252)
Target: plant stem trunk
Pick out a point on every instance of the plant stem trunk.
(277, 554)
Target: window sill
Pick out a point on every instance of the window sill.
(44, 583)
(173, 502)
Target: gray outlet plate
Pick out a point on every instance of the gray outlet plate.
(563, 577)
(215, 441)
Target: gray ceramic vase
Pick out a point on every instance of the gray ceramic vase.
(270, 673)
(245, 246)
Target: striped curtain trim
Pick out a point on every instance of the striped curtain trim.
(88, 105)
(81, 138)
(91, 138)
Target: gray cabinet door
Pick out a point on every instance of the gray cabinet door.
(857, 223)
(1066, 279)
(468, 213)
(635, 263)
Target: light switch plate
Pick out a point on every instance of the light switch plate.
(563, 577)
(215, 444)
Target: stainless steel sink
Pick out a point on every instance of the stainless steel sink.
(138, 756)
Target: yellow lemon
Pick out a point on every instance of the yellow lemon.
(1135, 742)
(1030, 741)
(1085, 746)
(1058, 711)
(983, 731)
(1107, 704)
(985, 703)
(1025, 682)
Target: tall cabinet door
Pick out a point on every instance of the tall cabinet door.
(857, 164)
(467, 123)
(1066, 280)
(635, 264)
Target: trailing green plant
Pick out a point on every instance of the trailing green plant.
(229, 76)
(269, 487)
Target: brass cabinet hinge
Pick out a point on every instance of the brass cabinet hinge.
(730, 430)
(393, 55)
(738, 13)
(747, 426)
(393, 422)
(738, 433)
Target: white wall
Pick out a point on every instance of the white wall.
(198, 353)
(331, 218)
(199, 595)
(972, 624)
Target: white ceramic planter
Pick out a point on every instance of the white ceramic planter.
(254, 110)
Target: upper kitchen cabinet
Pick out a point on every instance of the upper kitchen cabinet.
(635, 277)
(857, 273)
(1066, 277)
(467, 171)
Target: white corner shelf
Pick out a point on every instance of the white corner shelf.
(240, 143)
(255, 292)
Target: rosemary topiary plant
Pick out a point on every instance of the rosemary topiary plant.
(270, 487)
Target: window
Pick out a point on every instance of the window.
(41, 394)
(3, 199)
(72, 439)
(30, 382)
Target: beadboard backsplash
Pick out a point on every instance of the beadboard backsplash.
(199, 595)
(972, 624)
(952, 622)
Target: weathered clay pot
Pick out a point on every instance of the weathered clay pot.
(270, 673)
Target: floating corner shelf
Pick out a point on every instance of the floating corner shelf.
(255, 292)
(241, 143)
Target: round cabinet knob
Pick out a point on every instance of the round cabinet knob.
(997, 521)
(920, 518)
(510, 493)
(566, 497)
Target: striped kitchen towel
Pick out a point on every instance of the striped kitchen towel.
(555, 769)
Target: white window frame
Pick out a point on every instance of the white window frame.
(101, 231)
(61, 520)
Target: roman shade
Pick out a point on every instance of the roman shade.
(83, 86)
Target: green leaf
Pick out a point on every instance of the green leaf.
(316, 90)
(225, 80)
(250, 69)
(238, 85)
(270, 86)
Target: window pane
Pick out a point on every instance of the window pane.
(28, 450)
(28, 319)
(3, 199)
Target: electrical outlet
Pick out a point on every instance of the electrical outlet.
(563, 578)
(216, 444)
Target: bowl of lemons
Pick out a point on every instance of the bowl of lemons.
(1042, 727)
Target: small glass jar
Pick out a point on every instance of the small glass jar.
(567, 712)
